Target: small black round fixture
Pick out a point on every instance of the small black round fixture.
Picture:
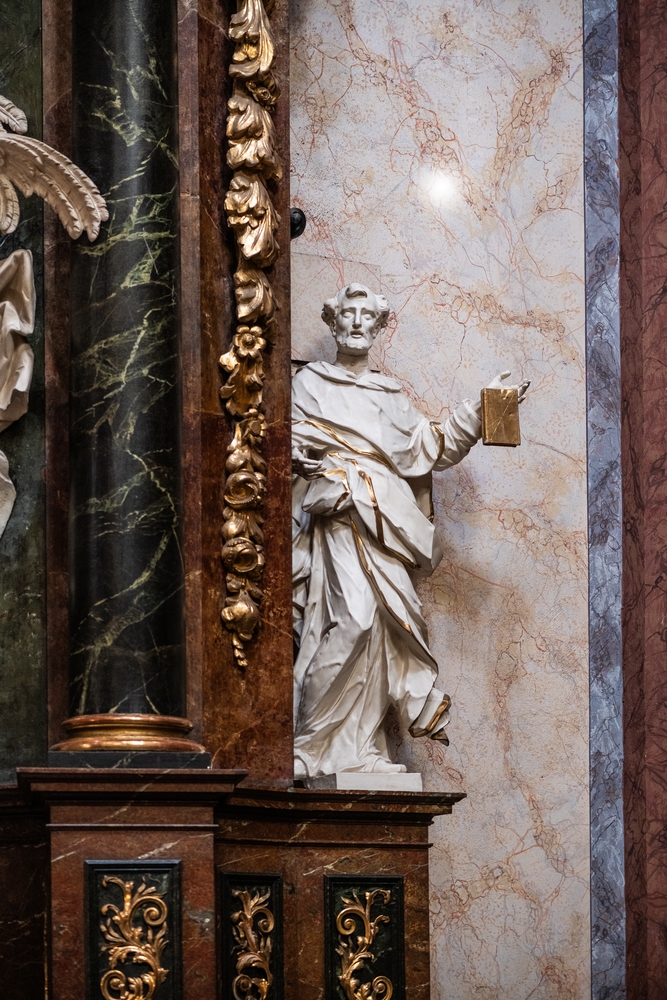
(297, 222)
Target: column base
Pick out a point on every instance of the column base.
(162, 759)
(128, 732)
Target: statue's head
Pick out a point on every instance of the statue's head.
(355, 316)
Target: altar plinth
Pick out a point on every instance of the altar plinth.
(195, 841)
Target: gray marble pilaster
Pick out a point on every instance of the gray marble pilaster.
(604, 497)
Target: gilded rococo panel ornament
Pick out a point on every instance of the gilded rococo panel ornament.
(134, 930)
(364, 937)
(252, 936)
(253, 157)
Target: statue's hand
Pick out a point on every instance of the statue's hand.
(521, 387)
(303, 465)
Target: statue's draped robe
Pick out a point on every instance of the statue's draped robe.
(17, 321)
(361, 535)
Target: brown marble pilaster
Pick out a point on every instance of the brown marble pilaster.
(247, 716)
(190, 349)
(643, 162)
(24, 881)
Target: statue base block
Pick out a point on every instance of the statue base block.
(368, 781)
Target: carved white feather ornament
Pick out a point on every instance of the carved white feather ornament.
(35, 168)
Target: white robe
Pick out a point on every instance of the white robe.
(17, 321)
(361, 535)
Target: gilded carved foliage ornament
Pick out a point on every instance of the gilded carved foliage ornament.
(137, 933)
(356, 933)
(253, 157)
(253, 927)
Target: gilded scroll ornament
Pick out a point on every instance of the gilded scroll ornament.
(252, 155)
(253, 927)
(141, 942)
(356, 933)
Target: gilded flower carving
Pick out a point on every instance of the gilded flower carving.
(249, 342)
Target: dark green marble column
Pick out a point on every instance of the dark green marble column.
(126, 613)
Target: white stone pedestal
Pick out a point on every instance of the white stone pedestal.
(367, 781)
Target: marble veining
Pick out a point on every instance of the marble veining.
(604, 498)
(642, 157)
(437, 154)
(126, 566)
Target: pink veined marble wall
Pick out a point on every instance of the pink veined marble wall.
(437, 152)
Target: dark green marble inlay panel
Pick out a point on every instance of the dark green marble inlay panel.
(134, 929)
(22, 548)
(364, 936)
(125, 558)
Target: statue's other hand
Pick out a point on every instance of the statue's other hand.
(521, 387)
(303, 465)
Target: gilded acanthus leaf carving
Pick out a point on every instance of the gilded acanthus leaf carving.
(250, 29)
(252, 137)
(356, 933)
(254, 297)
(137, 933)
(35, 168)
(253, 925)
(252, 155)
(253, 218)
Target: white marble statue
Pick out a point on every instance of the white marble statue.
(32, 167)
(17, 321)
(363, 531)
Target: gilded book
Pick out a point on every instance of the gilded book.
(500, 417)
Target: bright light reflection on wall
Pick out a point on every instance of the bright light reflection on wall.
(442, 189)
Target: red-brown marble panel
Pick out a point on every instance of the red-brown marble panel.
(306, 835)
(130, 815)
(189, 301)
(303, 869)
(643, 143)
(24, 875)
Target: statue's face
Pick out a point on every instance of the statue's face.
(356, 326)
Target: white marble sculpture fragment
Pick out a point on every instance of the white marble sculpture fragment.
(363, 533)
(17, 321)
(31, 167)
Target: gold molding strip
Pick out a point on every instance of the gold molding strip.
(254, 946)
(127, 941)
(253, 156)
(354, 946)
